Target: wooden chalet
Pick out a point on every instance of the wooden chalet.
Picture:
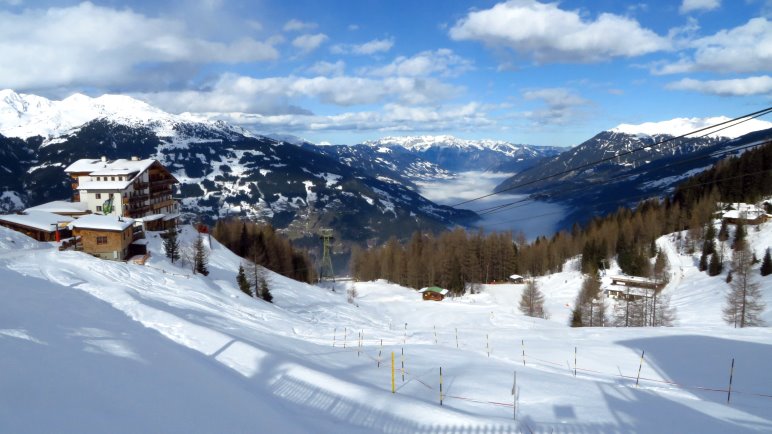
(630, 294)
(433, 293)
(63, 208)
(106, 237)
(40, 225)
(516, 278)
(747, 213)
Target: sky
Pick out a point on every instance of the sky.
(346, 71)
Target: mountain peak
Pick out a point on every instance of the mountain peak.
(681, 126)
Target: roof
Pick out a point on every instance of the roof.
(750, 214)
(633, 279)
(115, 167)
(61, 207)
(102, 222)
(516, 276)
(434, 289)
(40, 220)
(151, 218)
(141, 242)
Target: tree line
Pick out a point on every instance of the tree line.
(260, 244)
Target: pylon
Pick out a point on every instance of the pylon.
(326, 272)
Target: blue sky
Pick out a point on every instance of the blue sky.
(525, 71)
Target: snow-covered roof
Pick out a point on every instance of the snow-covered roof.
(40, 220)
(171, 216)
(141, 242)
(103, 185)
(734, 214)
(116, 167)
(633, 279)
(515, 277)
(434, 289)
(151, 218)
(102, 222)
(61, 207)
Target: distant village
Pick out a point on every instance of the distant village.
(113, 203)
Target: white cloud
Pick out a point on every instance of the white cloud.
(560, 106)
(368, 48)
(443, 62)
(233, 93)
(746, 48)
(353, 27)
(760, 85)
(327, 68)
(549, 34)
(294, 25)
(699, 5)
(96, 46)
(309, 43)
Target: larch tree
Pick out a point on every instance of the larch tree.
(744, 303)
(532, 300)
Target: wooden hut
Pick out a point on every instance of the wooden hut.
(516, 278)
(106, 237)
(434, 293)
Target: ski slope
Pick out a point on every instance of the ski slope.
(94, 346)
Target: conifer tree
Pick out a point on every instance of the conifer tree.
(172, 243)
(243, 283)
(744, 303)
(265, 291)
(200, 256)
(532, 300)
(715, 267)
(723, 233)
(703, 261)
(766, 264)
(739, 234)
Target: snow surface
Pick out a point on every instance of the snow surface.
(681, 126)
(94, 346)
(41, 220)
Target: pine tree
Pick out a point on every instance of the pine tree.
(739, 234)
(265, 291)
(200, 256)
(715, 267)
(244, 285)
(532, 300)
(703, 261)
(172, 243)
(744, 303)
(766, 264)
(723, 233)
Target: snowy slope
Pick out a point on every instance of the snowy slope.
(87, 345)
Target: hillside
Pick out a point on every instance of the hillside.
(275, 366)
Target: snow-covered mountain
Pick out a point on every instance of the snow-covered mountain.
(224, 170)
(626, 177)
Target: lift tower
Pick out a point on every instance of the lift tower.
(325, 272)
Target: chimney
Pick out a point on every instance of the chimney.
(104, 159)
(134, 158)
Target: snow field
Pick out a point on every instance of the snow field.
(193, 354)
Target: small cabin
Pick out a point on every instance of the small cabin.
(631, 294)
(40, 225)
(106, 237)
(516, 278)
(433, 293)
(743, 212)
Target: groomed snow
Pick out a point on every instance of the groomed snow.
(102, 346)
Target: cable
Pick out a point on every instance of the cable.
(602, 160)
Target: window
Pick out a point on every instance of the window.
(99, 208)
(112, 178)
(101, 240)
(98, 195)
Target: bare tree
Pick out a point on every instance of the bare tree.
(744, 303)
(532, 301)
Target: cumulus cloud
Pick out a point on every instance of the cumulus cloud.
(98, 46)
(310, 42)
(698, 5)
(746, 48)
(560, 106)
(327, 68)
(294, 25)
(368, 48)
(550, 34)
(234, 93)
(759, 85)
(443, 62)
(393, 117)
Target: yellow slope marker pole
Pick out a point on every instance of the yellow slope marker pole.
(393, 386)
(440, 385)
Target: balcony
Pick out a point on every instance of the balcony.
(163, 204)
